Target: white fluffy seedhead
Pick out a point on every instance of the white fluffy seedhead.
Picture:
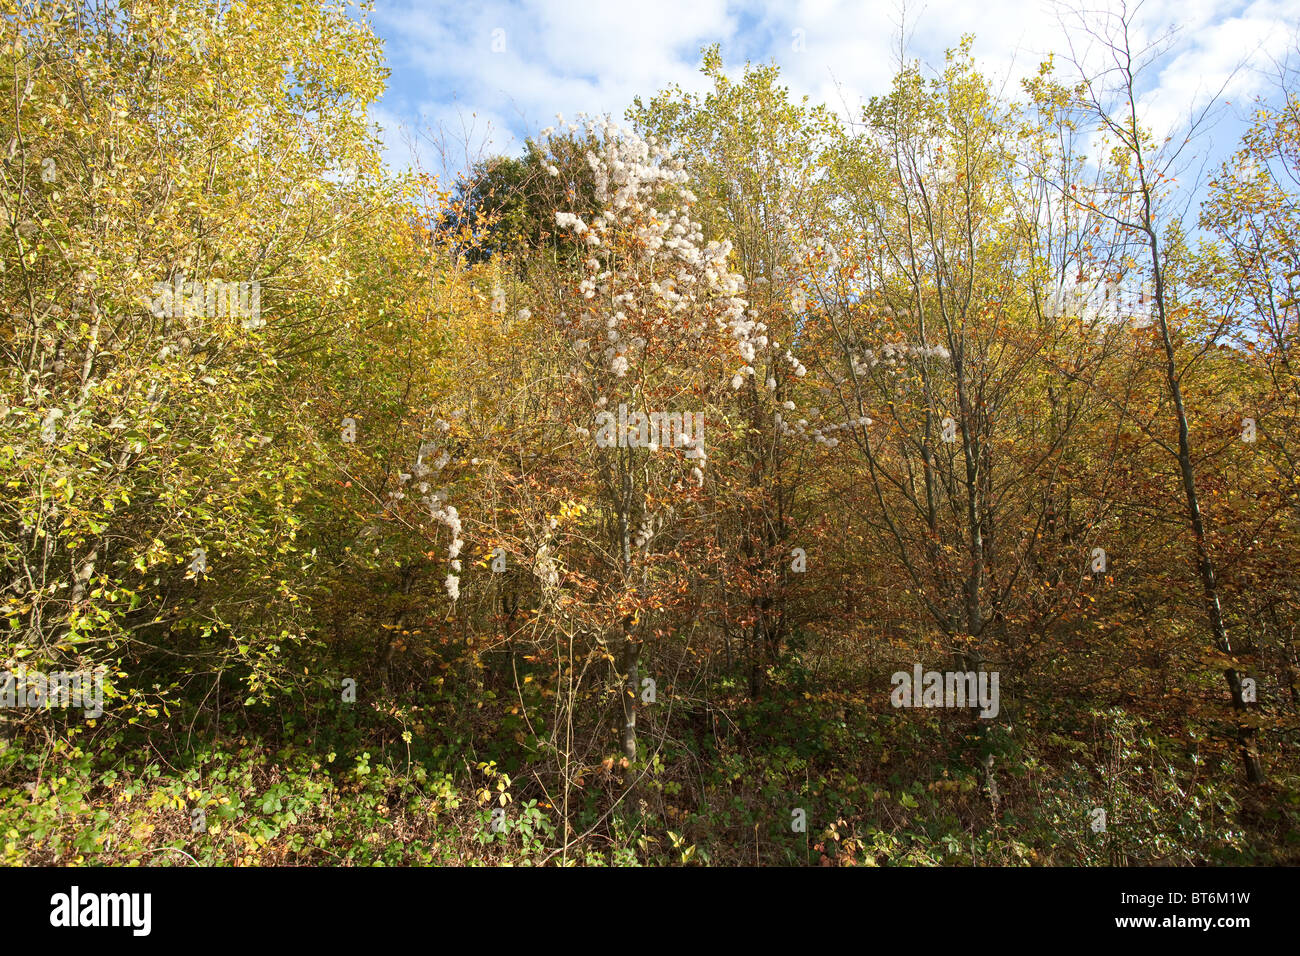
(658, 273)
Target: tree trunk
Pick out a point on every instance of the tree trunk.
(631, 694)
(1246, 739)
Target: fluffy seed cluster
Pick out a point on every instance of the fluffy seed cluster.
(430, 460)
(895, 354)
(651, 278)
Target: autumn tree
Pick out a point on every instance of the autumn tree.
(757, 158)
(1132, 198)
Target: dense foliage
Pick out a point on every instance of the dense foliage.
(586, 510)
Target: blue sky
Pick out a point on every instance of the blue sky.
(474, 79)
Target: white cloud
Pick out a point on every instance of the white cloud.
(1211, 55)
(518, 66)
(569, 56)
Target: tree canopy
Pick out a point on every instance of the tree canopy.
(735, 481)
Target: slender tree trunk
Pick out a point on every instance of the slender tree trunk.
(1246, 738)
(631, 701)
(1129, 133)
(631, 693)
